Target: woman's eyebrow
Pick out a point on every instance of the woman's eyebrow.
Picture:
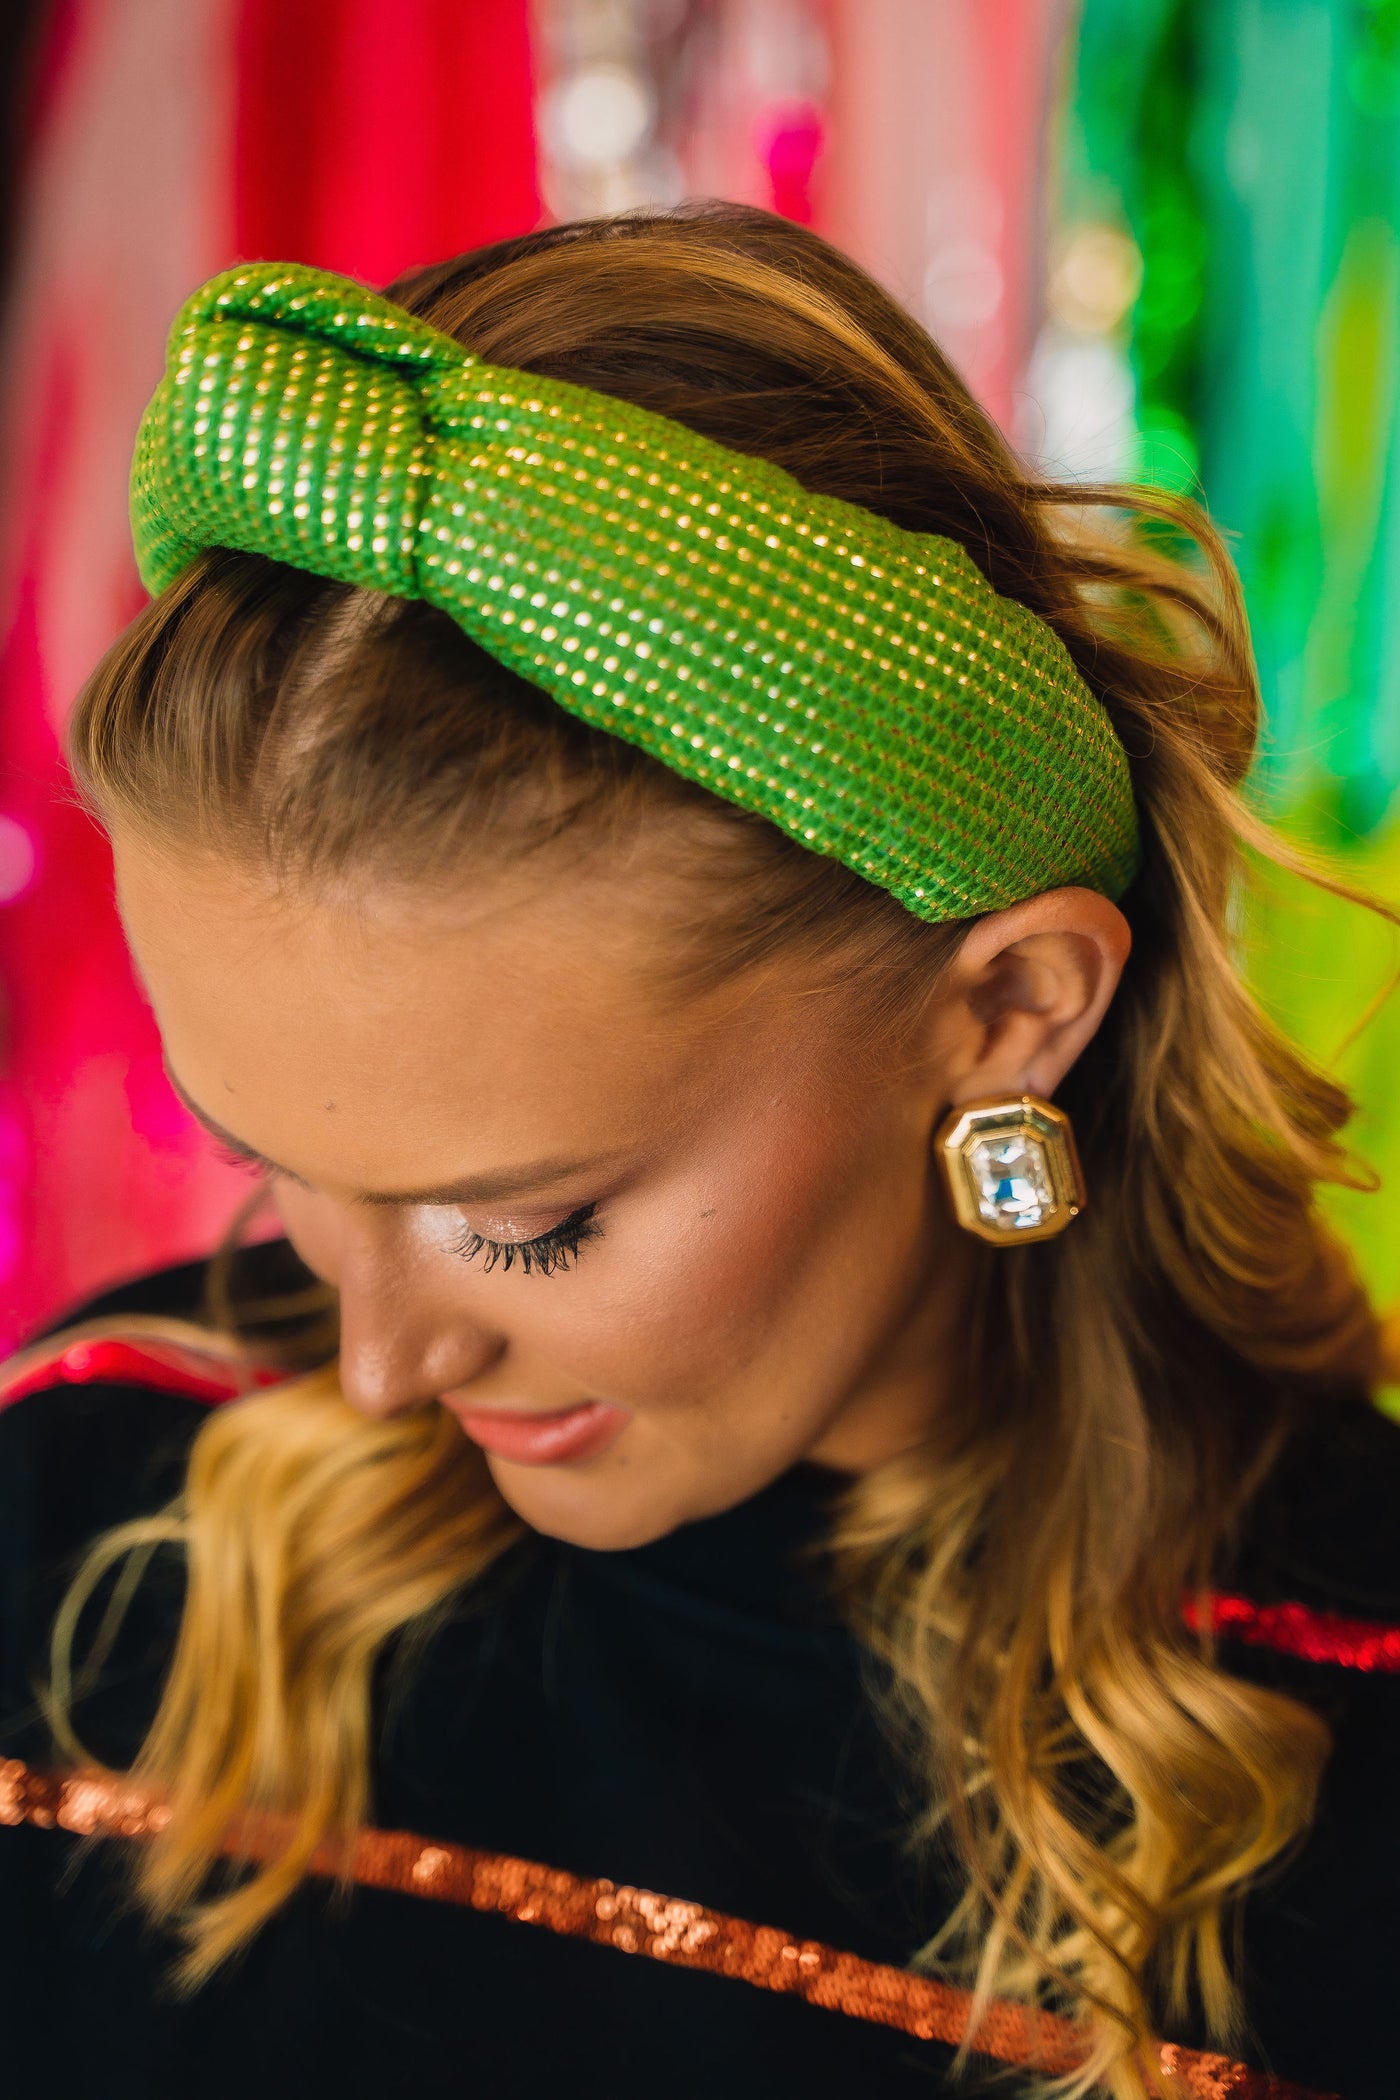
(479, 1188)
(227, 1139)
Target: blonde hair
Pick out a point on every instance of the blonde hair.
(1110, 1789)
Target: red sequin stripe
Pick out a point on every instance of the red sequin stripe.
(687, 1935)
(1296, 1629)
(166, 1366)
(1289, 1629)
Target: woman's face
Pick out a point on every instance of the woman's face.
(650, 1254)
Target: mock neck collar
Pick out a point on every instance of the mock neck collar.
(753, 1561)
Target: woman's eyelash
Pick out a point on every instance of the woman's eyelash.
(555, 1249)
(552, 1250)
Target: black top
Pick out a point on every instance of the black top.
(687, 1716)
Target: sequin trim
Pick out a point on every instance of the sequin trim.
(1297, 1629)
(159, 1366)
(164, 1367)
(860, 686)
(1288, 1628)
(637, 1921)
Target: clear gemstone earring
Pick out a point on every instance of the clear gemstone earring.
(1012, 1169)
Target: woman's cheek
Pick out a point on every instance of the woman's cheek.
(670, 1307)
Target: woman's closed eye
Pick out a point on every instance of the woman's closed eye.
(547, 1251)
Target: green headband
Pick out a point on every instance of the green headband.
(860, 686)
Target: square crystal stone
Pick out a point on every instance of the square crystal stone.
(1012, 1178)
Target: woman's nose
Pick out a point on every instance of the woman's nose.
(399, 1348)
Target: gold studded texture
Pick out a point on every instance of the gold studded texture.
(860, 686)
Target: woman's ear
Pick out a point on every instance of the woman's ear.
(1026, 992)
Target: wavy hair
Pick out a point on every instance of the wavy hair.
(1109, 1790)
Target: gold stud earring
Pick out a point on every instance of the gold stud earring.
(1012, 1169)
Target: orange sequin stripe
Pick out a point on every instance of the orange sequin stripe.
(687, 1935)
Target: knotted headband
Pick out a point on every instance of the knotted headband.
(860, 686)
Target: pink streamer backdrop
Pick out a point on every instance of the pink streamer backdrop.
(171, 137)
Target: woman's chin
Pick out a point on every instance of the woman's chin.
(606, 1507)
(646, 1483)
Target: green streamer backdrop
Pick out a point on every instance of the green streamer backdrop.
(1251, 149)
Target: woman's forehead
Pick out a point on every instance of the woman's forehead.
(376, 1045)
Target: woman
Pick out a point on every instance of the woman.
(626, 831)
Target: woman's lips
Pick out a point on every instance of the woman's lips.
(533, 1439)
